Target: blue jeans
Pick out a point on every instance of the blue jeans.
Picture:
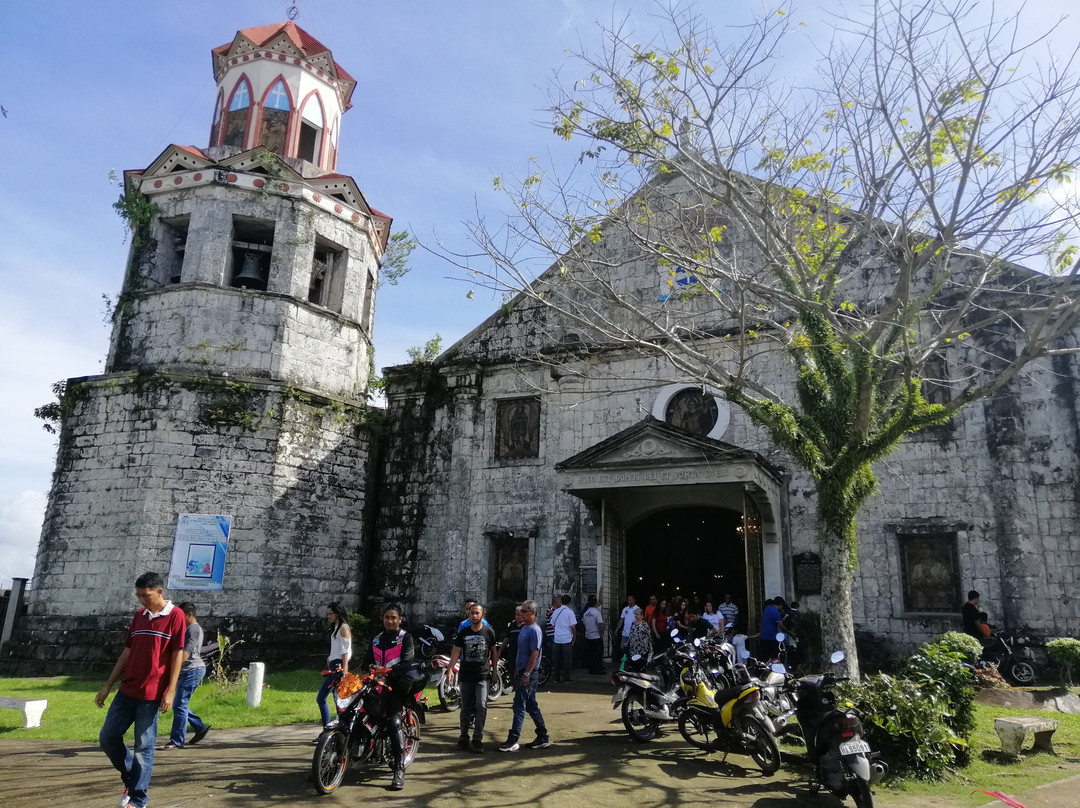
(324, 691)
(473, 707)
(135, 769)
(185, 686)
(525, 702)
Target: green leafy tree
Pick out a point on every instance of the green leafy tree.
(840, 257)
(419, 355)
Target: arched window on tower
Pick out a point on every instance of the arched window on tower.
(215, 128)
(311, 129)
(236, 122)
(275, 118)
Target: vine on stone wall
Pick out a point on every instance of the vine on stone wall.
(54, 412)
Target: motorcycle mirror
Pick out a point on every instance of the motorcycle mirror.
(776, 667)
(635, 657)
(780, 636)
(697, 642)
(438, 635)
(837, 656)
(674, 633)
(744, 654)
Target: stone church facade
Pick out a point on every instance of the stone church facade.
(236, 386)
(594, 473)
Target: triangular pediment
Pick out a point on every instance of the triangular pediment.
(655, 443)
(177, 158)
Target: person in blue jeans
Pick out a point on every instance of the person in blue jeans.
(526, 680)
(147, 670)
(337, 663)
(192, 672)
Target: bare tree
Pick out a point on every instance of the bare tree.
(827, 255)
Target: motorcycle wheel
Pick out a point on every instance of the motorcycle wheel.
(761, 745)
(330, 761)
(1021, 673)
(410, 727)
(545, 670)
(698, 730)
(638, 727)
(495, 686)
(449, 695)
(860, 792)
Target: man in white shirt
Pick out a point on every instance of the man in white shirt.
(622, 629)
(564, 622)
(593, 619)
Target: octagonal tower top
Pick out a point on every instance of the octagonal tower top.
(280, 87)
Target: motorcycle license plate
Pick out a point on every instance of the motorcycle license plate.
(620, 694)
(854, 747)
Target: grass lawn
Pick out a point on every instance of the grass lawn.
(992, 775)
(72, 715)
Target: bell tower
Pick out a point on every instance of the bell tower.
(236, 380)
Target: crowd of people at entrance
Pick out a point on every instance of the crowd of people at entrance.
(160, 667)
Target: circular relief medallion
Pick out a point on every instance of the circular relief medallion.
(692, 410)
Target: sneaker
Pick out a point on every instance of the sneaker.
(198, 736)
(163, 747)
(540, 743)
(123, 802)
(477, 746)
(510, 746)
(398, 781)
(463, 743)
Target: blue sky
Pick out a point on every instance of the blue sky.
(448, 96)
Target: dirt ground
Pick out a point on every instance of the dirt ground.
(592, 762)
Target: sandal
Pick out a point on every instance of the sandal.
(169, 746)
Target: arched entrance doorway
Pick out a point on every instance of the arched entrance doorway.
(696, 552)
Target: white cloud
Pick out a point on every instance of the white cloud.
(20, 527)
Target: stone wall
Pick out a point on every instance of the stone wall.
(290, 467)
(1004, 474)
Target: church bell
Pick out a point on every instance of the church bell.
(251, 274)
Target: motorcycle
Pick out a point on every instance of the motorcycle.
(361, 735)
(431, 642)
(728, 719)
(449, 692)
(652, 696)
(1015, 665)
(841, 760)
(776, 700)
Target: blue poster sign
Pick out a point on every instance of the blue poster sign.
(198, 559)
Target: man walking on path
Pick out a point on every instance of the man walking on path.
(147, 669)
(564, 622)
(476, 647)
(191, 674)
(526, 679)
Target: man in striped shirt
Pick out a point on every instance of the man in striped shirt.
(147, 671)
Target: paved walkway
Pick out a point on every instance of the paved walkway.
(591, 763)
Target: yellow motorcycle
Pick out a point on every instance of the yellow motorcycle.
(728, 718)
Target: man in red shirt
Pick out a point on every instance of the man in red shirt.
(147, 670)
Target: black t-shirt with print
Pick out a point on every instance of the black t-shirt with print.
(475, 652)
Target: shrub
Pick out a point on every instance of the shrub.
(1066, 653)
(945, 679)
(363, 630)
(905, 723)
(964, 644)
